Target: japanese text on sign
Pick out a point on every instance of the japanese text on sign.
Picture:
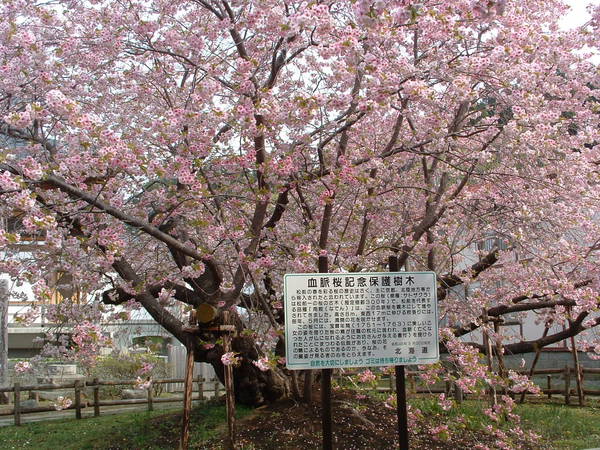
(360, 319)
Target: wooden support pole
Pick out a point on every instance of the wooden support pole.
(17, 404)
(538, 351)
(499, 350)
(77, 399)
(229, 387)
(549, 381)
(96, 398)
(577, 368)
(487, 342)
(187, 397)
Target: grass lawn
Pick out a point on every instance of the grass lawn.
(565, 427)
(139, 430)
(562, 427)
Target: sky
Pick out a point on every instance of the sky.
(578, 14)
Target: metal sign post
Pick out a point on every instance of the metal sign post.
(401, 409)
(364, 319)
(326, 384)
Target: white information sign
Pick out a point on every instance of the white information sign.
(360, 319)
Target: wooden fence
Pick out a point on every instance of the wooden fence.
(202, 389)
(565, 376)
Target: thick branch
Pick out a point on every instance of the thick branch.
(449, 281)
(574, 329)
(149, 302)
(140, 224)
(118, 296)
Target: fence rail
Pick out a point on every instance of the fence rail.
(202, 387)
(565, 375)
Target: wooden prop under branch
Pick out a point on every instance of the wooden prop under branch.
(206, 318)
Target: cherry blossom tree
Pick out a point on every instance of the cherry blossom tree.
(190, 152)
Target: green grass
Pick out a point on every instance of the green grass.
(139, 430)
(565, 427)
(561, 427)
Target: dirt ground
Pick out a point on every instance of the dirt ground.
(364, 424)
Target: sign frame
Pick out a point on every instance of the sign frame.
(373, 361)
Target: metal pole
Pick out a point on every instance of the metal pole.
(326, 383)
(401, 411)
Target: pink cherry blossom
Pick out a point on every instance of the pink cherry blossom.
(62, 402)
(22, 367)
(230, 359)
(263, 364)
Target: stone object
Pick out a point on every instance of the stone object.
(59, 370)
(133, 393)
(51, 395)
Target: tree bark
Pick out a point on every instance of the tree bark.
(252, 386)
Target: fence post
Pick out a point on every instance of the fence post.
(549, 379)
(201, 388)
(96, 398)
(17, 406)
(77, 386)
(567, 385)
(458, 393)
(150, 398)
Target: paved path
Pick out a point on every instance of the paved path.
(87, 412)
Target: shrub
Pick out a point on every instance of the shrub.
(129, 367)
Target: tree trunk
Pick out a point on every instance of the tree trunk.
(252, 386)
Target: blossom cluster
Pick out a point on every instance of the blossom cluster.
(231, 359)
(62, 402)
(22, 367)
